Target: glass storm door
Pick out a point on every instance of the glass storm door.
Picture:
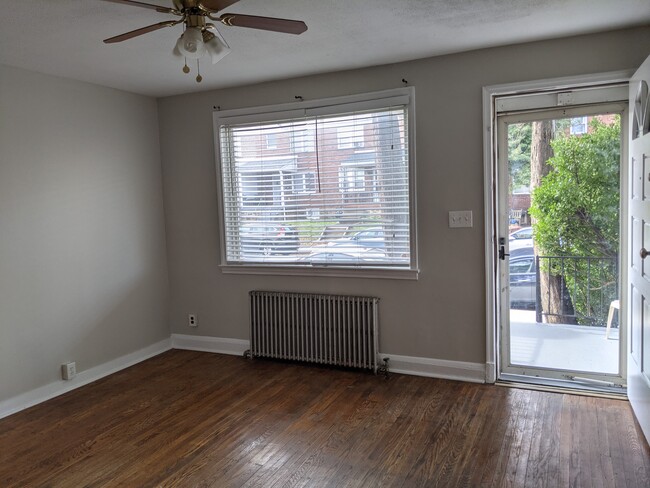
(559, 245)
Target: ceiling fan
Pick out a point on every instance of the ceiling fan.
(200, 36)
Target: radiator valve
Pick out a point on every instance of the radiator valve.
(383, 369)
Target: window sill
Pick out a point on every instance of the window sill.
(322, 271)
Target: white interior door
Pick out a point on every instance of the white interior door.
(638, 381)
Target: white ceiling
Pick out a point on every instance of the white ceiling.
(64, 37)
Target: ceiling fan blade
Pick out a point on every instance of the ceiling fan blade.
(216, 5)
(265, 23)
(165, 10)
(139, 32)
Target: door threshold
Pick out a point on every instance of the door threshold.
(561, 386)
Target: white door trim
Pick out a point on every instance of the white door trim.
(489, 189)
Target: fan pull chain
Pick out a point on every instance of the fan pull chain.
(199, 78)
(186, 68)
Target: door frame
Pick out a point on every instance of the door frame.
(490, 171)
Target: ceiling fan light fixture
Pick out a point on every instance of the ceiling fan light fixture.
(191, 44)
(201, 37)
(215, 46)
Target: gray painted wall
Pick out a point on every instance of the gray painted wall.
(443, 314)
(83, 273)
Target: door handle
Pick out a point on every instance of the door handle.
(502, 249)
(502, 252)
(643, 253)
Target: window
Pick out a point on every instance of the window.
(338, 196)
(303, 140)
(352, 179)
(578, 125)
(271, 140)
(358, 183)
(304, 182)
(350, 137)
(259, 189)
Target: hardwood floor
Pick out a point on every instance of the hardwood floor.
(197, 419)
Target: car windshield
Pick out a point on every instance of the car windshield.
(526, 233)
(520, 266)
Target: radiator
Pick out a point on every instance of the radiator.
(326, 329)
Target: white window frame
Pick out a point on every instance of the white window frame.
(327, 106)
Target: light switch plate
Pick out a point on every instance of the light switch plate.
(460, 218)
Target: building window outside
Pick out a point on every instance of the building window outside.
(304, 182)
(259, 189)
(578, 125)
(303, 140)
(271, 140)
(350, 137)
(352, 179)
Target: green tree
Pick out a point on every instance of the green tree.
(519, 140)
(576, 211)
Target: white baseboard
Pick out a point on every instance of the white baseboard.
(435, 368)
(221, 345)
(51, 390)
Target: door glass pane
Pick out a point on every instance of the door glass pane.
(563, 213)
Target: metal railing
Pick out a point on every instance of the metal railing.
(584, 287)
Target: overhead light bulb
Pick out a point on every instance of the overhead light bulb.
(216, 47)
(191, 44)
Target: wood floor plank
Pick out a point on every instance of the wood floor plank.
(515, 451)
(537, 465)
(192, 419)
(550, 444)
(500, 443)
(487, 445)
(611, 419)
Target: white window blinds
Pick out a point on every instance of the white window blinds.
(331, 189)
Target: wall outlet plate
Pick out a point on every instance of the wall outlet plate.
(460, 218)
(192, 321)
(68, 370)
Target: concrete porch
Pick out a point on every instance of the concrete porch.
(572, 347)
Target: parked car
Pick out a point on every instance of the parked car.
(521, 251)
(343, 255)
(520, 244)
(523, 280)
(373, 237)
(264, 238)
(523, 233)
(522, 238)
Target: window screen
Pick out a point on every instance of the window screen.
(332, 189)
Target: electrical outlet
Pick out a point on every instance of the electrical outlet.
(191, 320)
(461, 218)
(69, 370)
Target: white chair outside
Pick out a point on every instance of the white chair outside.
(615, 305)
